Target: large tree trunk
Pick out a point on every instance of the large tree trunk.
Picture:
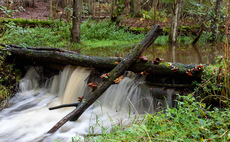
(135, 8)
(177, 9)
(76, 20)
(90, 6)
(215, 21)
(126, 62)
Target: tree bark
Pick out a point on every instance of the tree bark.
(51, 8)
(177, 9)
(135, 8)
(215, 21)
(126, 62)
(76, 20)
(90, 6)
(198, 37)
(69, 11)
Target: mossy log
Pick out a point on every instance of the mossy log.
(58, 58)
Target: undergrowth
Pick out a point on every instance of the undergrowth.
(9, 76)
(103, 34)
(190, 121)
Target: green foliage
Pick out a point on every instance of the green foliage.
(58, 35)
(9, 76)
(214, 87)
(8, 12)
(190, 121)
(160, 15)
(105, 30)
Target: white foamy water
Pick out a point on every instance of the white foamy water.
(28, 119)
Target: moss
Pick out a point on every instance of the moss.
(29, 22)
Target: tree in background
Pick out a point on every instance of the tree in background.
(177, 10)
(51, 8)
(76, 21)
(216, 20)
(135, 8)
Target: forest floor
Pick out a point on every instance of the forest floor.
(41, 11)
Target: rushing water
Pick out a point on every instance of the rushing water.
(27, 118)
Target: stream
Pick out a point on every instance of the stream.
(28, 119)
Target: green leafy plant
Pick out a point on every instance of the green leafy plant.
(9, 76)
(190, 121)
(8, 12)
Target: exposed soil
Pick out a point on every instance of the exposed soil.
(41, 11)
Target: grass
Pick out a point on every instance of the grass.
(190, 121)
(103, 34)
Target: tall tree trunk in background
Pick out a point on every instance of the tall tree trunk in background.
(69, 11)
(90, 6)
(51, 9)
(55, 9)
(11, 4)
(177, 9)
(99, 1)
(147, 5)
(7, 4)
(33, 4)
(155, 10)
(94, 8)
(112, 9)
(76, 20)
(216, 20)
(135, 8)
(62, 3)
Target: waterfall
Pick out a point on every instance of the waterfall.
(27, 118)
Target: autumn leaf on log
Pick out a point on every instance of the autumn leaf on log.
(175, 69)
(92, 85)
(104, 75)
(119, 79)
(143, 58)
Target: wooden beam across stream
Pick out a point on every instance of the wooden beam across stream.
(126, 62)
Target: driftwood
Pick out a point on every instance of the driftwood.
(126, 62)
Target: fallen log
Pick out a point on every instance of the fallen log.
(58, 58)
(125, 63)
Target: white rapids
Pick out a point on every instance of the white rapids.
(28, 119)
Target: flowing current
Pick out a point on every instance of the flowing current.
(28, 119)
